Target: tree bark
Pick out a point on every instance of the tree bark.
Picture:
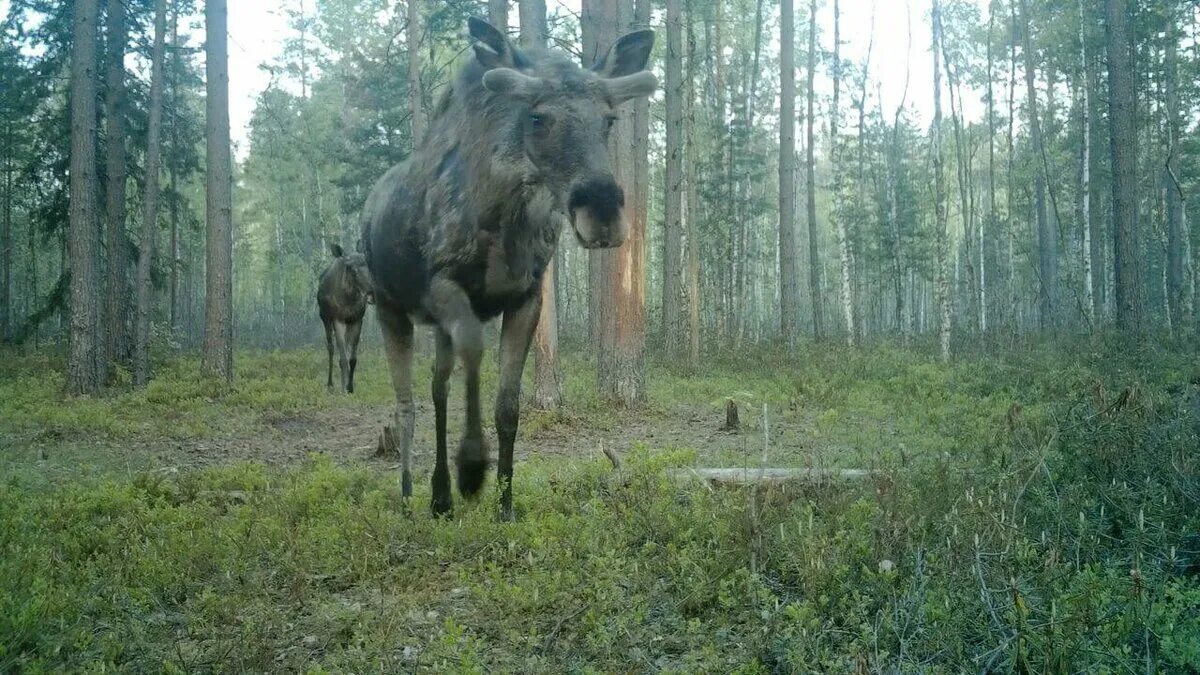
(788, 276)
(145, 289)
(416, 93)
(940, 190)
(1047, 243)
(1123, 139)
(85, 374)
(533, 22)
(621, 326)
(673, 234)
(814, 254)
(172, 159)
(692, 203)
(547, 382)
(840, 221)
(1085, 173)
(218, 301)
(498, 14)
(1174, 201)
(116, 292)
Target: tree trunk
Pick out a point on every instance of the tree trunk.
(966, 199)
(548, 387)
(693, 205)
(116, 292)
(1047, 244)
(145, 289)
(673, 235)
(6, 245)
(1085, 173)
(1174, 201)
(533, 22)
(173, 188)
(416, 93)
(621, 326)
(992, 212)
(1123, 139)
(843, 240)
(814, 253)
(939, 204)
(498, 14)
(789, 282)
(85, 374)
(218, 300)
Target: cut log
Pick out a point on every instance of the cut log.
(745, 476)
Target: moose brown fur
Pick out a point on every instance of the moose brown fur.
(343, 293)
(461, 232)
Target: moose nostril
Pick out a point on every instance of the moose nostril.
(602, 195)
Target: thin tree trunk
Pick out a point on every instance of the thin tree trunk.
(814, 254)
(839, 219)
(692, 204)
(85, 374)
(416, 93)
(498, 14)
(788, 274)
(1174, 200)
(218, 300)
(6, 245)
(547, 383)
(145, 289)
(939, 189)
(1123, 136)
(1047, 245)
(963, 165)
(173, 188)
(992, 212)
(673, 206)
(116, 293)
(1085, 173)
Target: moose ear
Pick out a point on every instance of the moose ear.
(627, 56)
(492, 48)
(336, 250)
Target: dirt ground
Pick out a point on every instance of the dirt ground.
(351, 434)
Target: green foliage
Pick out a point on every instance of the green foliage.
(1053, 538)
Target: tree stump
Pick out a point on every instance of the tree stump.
(732, 423)
(387, 443)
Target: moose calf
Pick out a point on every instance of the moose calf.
(342, 296)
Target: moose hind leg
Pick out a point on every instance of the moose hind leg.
(353, 333)
(443, 366)
(515, 336)
(454, 314)
(398, 345)
(329, 349)
(339, 335)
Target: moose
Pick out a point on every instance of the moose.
(343, 293)
(461, 231)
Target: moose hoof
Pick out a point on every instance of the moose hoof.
(472, 466)
(507, 515)
(442, 507)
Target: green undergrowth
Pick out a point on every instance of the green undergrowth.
(1035, 509)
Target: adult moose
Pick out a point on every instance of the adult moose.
(460, 232)
(342, 297)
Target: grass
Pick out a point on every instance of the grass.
(1035, 510)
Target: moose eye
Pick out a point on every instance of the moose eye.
(609, 121)
(538, 120)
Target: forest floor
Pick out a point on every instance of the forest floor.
(1033, 506)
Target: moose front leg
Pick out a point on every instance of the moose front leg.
(515, 336)
(452, 309)
(443, 366)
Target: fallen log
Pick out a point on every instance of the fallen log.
(745, 476)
